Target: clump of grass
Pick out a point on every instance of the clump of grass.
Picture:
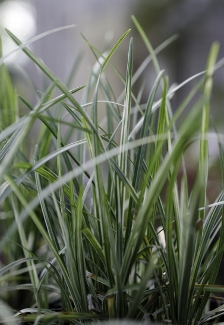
(97, 228)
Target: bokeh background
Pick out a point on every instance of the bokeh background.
(198, 23)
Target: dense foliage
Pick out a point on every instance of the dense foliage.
(98, 218)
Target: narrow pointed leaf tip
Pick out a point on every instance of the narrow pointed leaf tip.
(33, 39)
(114, 49)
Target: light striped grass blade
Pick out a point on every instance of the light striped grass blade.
(162, 126)
(23, 239)
(16, 127)
(41, 230)
(203, 161)
(34, 39)
(8, 97)
(140, 155)
(120, 188)
(79, 253)
(48, 104)
(12, 145)
(203, 268)
(51, 129)
(94, 243)
(53, 78)
(188, 128)
(31, 315)
(148, 59)
(46, 173)
(145, 130)
(46, 214)
(8, 267)
(147, 43)
(7, 316)
(140, 291)
(112, 51)
(100, 204)
(191, 237)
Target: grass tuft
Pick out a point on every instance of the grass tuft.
(99, 220)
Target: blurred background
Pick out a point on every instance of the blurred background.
(197, 22)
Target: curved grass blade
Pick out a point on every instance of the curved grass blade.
(34, 39)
